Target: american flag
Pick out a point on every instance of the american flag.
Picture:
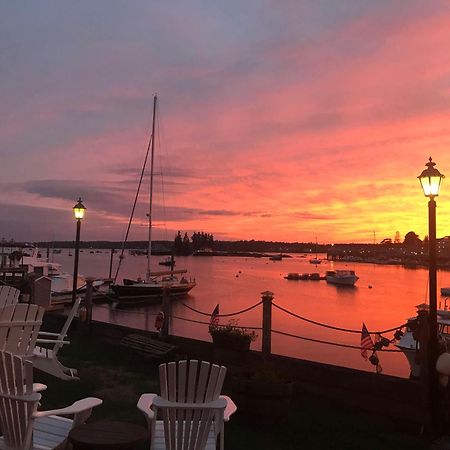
(366, 342)
(214, 321)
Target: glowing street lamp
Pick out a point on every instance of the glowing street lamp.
(78, 210)
(431, 179)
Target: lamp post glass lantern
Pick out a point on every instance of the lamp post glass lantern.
(78, 210)
(431, 179)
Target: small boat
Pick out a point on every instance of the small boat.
(293, 276)
(445, 291)
(315, 261)
(169, 262)
(341, 277)
(276, 257)
(314, 276)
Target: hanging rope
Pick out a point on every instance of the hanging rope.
(207, 323)
(222, 315)
(328, 342)
(331, 327)
(133, 209)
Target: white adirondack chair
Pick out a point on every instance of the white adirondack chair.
(19, 328)
(192, 409)
(8, 296)
(23, 427)
(46, 358)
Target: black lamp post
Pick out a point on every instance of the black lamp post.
(431, 179)
(78, 211)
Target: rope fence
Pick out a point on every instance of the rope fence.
(222, 315)
(266, 328)
(336, 344)
(331, 327)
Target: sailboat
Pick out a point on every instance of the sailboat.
(155, 284)
(315, 260)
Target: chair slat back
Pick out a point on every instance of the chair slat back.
(9, 295)
(189, 382)
(17, 400)
(19, 328)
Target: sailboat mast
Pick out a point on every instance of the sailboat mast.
(149, 250)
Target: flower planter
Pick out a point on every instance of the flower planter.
(231, 342)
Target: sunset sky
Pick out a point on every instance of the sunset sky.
(278, 120)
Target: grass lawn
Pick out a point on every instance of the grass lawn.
(119, 376)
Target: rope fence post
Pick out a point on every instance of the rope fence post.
(167, 311)
(423, 336)
(267, 298)
(88, 299)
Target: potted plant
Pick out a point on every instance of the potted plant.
(232, 336)
(265, 394)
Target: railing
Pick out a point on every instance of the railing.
(266, 323)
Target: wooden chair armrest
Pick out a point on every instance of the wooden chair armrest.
(47, 333)
(39, 387)
(145, 403)
(52, 341)
(76, 408)
(229, 409)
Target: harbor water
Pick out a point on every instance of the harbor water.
(384, 297)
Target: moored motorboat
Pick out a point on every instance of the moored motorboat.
(314, 276)
(293, 276)
(341, 277)
(276, 257)
(409, 345)
(445, 291)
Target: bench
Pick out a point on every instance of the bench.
(151, 347)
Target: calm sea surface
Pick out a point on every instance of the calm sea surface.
(237, 283)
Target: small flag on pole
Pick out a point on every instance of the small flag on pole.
(214, 321)
(366, 342)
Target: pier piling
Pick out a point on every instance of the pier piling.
(267, 298)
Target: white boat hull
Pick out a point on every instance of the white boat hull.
(343, 281)
(407, 344)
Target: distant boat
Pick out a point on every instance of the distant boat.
(315, 260)
(276, 257)
(445, 291)
(169, 262)
(293, 276)
(341, 277)
(314, 276)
